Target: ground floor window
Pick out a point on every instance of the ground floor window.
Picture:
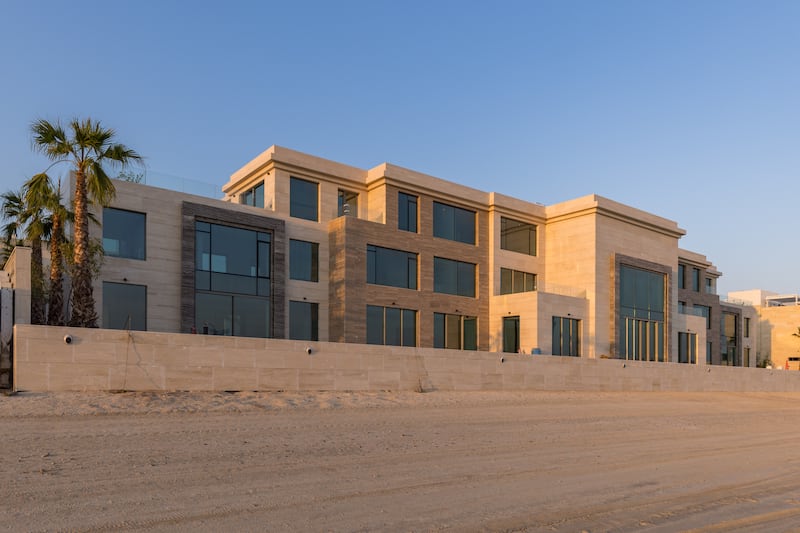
(709, 348)
(511, 334)
(228, 314)
(303, 321)
(455, 332)
(642, 340)
(566, 336)
(124, 306)
(391, 325)
(687, 348)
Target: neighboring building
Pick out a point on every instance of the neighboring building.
(773, 319)
(305, 248)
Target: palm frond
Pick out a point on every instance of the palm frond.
(100, 188)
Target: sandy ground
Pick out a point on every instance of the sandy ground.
(532, 461)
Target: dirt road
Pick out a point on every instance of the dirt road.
(400, 462)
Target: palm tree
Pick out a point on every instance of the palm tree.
(28, 222)
(88, 148)
(40, 192)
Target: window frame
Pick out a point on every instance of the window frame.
(297, 207)
(110, 300)
(108, 211)
(404, 330)
(446, 223)
(460, 267)
(505, 231)
(314, 260)
(442, 334)
(310, 310)
(380, 255)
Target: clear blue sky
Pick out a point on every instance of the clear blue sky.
(687, 109)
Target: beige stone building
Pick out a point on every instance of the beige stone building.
(300, 247)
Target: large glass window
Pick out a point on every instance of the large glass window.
(303, 321)
(454, 223)
(254, 196)
(348, 203)
(453, 277)
(232, 280)
(123, 233)
(511, 334)
(303, 260)
(566, 336)
(455, 332)
(407, 212)
(124, 306)
(517, 236)
(641, 314)
(304, 199)
(687, 347)
(394, 268)
(513, 281)
(391, 325)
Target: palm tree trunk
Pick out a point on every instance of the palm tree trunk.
(37, 283)
(55, 311)
(83, 313)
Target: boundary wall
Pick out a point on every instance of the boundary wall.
(108, 360)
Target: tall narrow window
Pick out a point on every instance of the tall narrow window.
(746, 332)
(642, 314)
(123, 233)
(696, 279)
(687, 348)
(348, 203)
(511, 334)
(517, 236)
(681, 276)
(124, 306)
(303, 321)
(407, 212)
(454, 223)
(304, 199)
(303, 260)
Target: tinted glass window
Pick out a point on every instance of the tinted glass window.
(511, 334)
(454, 223)
(254, 196)
(123, 233)
(394, 268)
(407, 212)
(303, 260)
(124, 306)
(517, 236)
(453, 277)
(304, 199)
(303, 321)
(250, 316)
(374, 324)
(391, 326)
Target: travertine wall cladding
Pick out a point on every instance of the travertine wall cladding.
(98, 359)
